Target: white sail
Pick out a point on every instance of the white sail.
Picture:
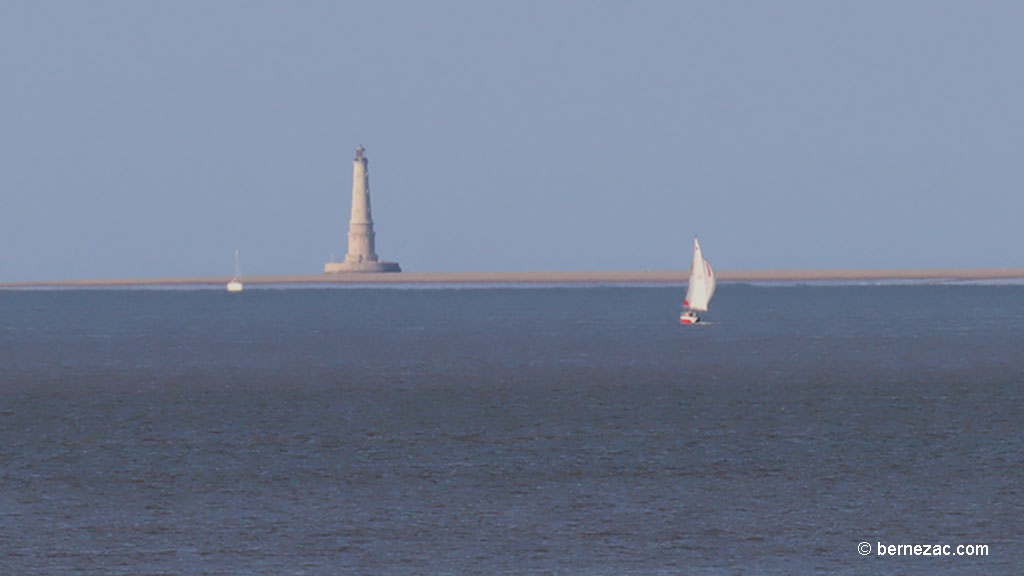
(236, 283)
(702, 281)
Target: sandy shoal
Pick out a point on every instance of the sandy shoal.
(552, 277)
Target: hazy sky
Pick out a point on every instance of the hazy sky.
(151, 138)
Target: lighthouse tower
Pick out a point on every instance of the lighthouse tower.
(362, 256)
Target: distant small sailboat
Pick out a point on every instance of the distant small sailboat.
(701, 287)
(236, 283)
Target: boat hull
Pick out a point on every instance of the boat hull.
(686, 319)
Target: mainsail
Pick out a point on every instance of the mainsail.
(702, 281)
(236, 283)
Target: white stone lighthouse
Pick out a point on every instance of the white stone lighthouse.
(362, 256)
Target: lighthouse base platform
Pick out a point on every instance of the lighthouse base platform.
(361, 267)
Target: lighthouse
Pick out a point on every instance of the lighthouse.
(362, 254)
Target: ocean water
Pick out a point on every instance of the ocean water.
(509, 430)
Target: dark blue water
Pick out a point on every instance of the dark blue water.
(510, 431)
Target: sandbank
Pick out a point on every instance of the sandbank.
(550, 277)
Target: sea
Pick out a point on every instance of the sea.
(823, 428)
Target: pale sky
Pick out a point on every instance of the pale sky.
(150, 139)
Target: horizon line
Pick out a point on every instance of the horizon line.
(550, 277)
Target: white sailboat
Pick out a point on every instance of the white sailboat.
(236, 283)
(701, 287)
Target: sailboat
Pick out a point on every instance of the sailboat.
(701, 287)
(236, 283)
